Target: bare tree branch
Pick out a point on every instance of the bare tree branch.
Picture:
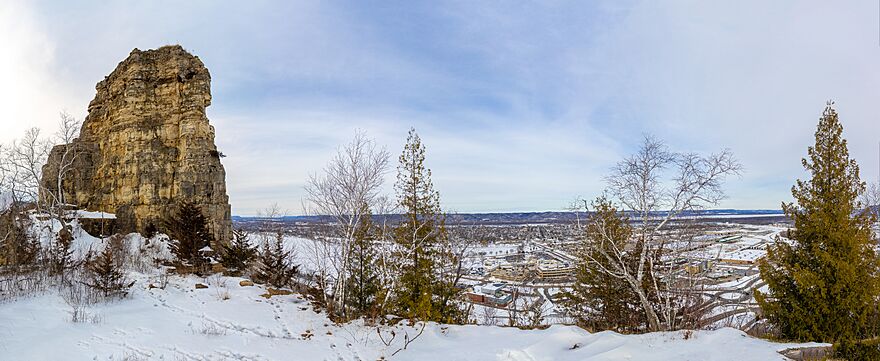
(347, 190)
(658, 186)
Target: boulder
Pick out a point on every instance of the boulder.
(275, 292)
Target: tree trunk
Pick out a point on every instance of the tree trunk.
(653, 319)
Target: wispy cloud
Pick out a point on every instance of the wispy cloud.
(523, 106)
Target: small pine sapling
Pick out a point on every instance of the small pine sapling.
(273, 264)
(60, 253)
(106, 275)
(363, 281)
(19, 247)
(238, 255)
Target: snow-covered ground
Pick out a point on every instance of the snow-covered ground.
(229, 322)
(165, 317)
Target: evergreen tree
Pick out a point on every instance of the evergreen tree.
(60, 253)
(419, 235)
(106, 274)
(188, 229)
(823, 286)
(273, 264)
(599, 301)
(363, 276)
(18, 247)
(238, 254)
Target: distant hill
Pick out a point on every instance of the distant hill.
(542, 217)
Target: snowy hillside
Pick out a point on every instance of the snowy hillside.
(229, 322)
(168, 318)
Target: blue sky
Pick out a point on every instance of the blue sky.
(522, 106)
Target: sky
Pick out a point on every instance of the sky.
(522, 106)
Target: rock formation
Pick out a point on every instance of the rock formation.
(146, 145)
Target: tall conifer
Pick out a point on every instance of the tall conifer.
(823, 286)
(418, 233)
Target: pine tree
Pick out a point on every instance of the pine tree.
(18, 247)
(60, 252)
(238, 255)
(823, 286)
(599, 301)
(363, 277)
(188, 229)
(106, 274)
(419, 235)
(274, 267)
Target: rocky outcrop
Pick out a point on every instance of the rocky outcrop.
(146, 145)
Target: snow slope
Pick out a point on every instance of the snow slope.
(175, 323)
(229, 322)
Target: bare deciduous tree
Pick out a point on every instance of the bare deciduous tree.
(26, 158)
(346, 191)
(30, 179)
(18, 246)
(452, 251)
(657, 186)
(66, 153)
(871, 197)
(5, 175)
(271, 223)
(535, 312)
(489, 316)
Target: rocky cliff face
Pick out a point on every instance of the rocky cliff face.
(146, 144)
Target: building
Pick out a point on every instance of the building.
(495, 294)
(553, 270)
(512, 273)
